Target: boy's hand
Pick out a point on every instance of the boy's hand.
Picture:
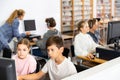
(34, 39)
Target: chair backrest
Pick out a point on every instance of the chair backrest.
(66, 52)
(40, 64)
(80, 68)
(72, 50)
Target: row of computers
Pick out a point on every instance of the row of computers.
(112, 50)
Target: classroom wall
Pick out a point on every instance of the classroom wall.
(35, 9)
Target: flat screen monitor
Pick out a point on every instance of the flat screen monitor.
(29, 25)
(113, 33)
(7, 69)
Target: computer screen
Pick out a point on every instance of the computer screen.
(29, 25)
(7, 69)
(113, 31)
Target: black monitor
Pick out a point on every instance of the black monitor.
(113, 33)
(29, 25)
(7, 69)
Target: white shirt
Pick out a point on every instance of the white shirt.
(84, 44)
(58, 72)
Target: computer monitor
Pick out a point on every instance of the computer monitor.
(7, 69)
(113, 33)
(29, 25)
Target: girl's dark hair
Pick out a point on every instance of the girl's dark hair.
(25, 42)
(50, 22)
(81, 24)
(92, 22)
(56, 40)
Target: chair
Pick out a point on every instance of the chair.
(72, 50)
(40, 63)
(81, 60)
(80, 68)
(66, 52)
(7, 53)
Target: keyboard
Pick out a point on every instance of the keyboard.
(31, 36)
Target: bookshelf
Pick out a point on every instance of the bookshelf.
(104, 9)
(74, 10)
(117, 9)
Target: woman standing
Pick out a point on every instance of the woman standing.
(9, 30)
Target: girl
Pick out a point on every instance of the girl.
(84, 44)
(25, 63)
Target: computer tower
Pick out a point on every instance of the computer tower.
(107, 53)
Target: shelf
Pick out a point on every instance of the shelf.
(117, 9)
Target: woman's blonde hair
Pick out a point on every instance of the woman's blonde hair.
(16, 13)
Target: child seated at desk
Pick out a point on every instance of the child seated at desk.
(25, 63)
(94, 32)
(51, 23)
(57, 66)
(84, 44)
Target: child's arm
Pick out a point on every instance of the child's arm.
(34, 76)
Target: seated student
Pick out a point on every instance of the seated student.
(25, 63)
(57, 66)
(51, 23)
(94, 33)
(83, 43)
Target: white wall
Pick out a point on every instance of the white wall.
(35, 9)
(107, 71)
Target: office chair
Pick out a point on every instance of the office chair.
(78, 66)
(83, 61)
(40, 63)
(66, 52)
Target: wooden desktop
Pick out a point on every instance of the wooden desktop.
(96, 60)
(65, 37)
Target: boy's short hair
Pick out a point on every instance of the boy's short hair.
(56, 40)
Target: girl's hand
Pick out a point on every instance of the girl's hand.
(28, 33)
(90, 56)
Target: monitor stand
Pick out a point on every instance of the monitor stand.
(116, 45)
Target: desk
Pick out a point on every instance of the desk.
(32, 43)
(96, 60)
(107, 53)
(67, 37)
(109, 70)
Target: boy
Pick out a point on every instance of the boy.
(58, 66)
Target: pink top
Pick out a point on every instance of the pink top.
(25, 66)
